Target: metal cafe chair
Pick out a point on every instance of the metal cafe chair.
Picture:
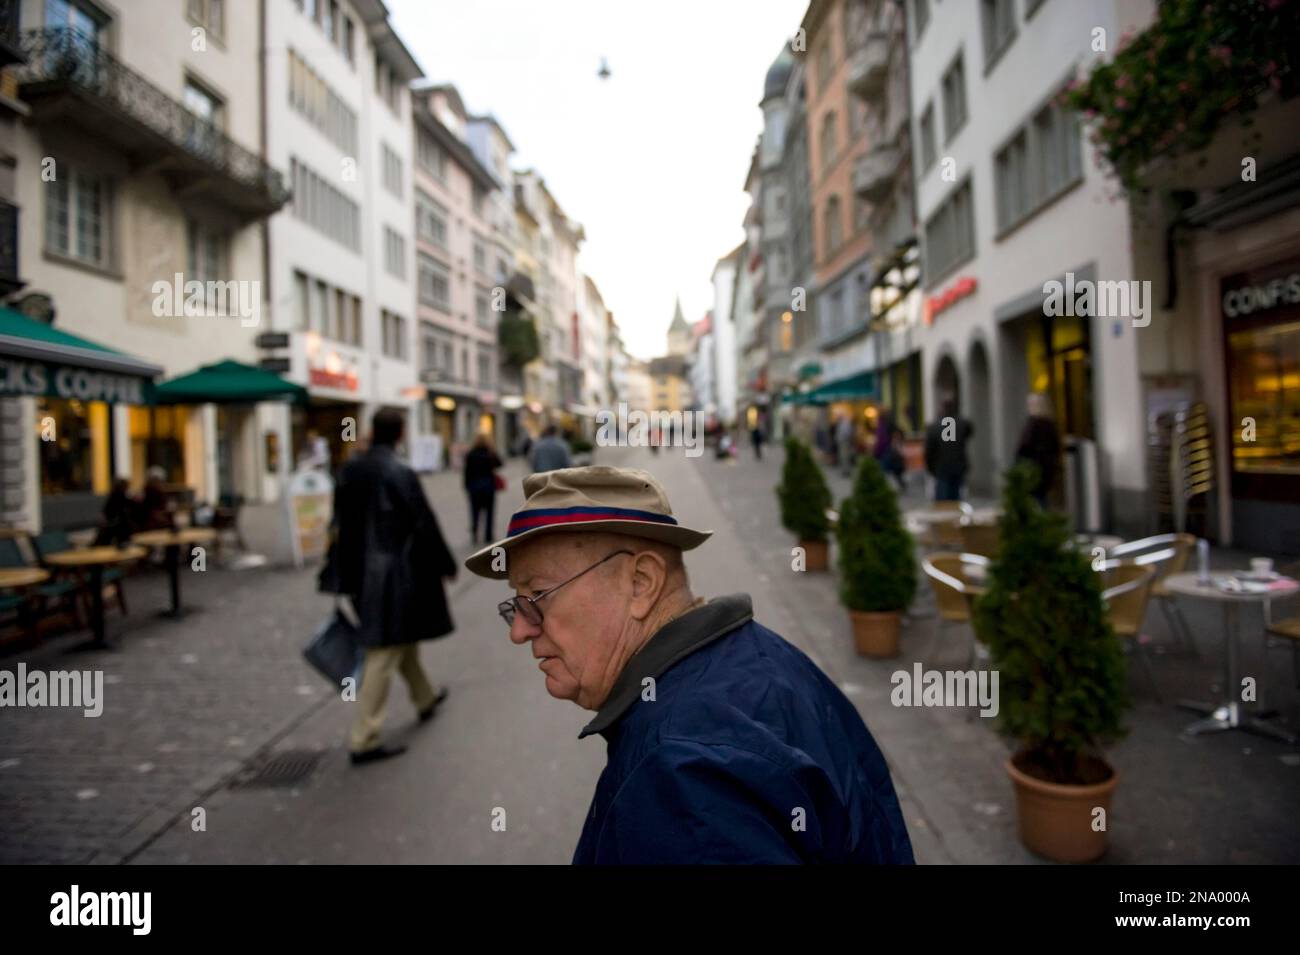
(980, 539)
(1128, 586)
(1179, 547)
(1286, 630)
(955, 589)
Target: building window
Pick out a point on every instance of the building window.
(430, 220)
(485, 363)
(832, 227)
(482, 310)
(950, 234)
(86, 22)
(204, 134)
(861, 214)
(209, 14)
(349, 41)
(929, 152)
(828, 141)
(434, 283)
(921, 17)
(391, 164)
(301, 301)
(206, 253)
(1264, 385)
(430, 156)
(78, 216)
(387, 86)
(393, 328)
(324, 208)
(999, 23)
(954, 99)
(394, 253)
(323, 108)
(1041, 160)
(480, 256)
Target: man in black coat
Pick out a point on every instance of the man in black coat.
(945, 452)
(390, 560)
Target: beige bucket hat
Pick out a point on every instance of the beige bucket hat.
(597, 498)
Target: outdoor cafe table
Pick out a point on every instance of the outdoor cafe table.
(94, 560)
(16, 578)
(1228, 714)
(172, 541)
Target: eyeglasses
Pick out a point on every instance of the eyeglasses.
(527, 606)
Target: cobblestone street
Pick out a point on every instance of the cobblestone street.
(190, 705)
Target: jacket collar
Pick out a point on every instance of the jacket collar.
(672, 643)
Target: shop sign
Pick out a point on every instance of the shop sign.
(310, 499)
(342, 380)
(1262, 296)
(61, 381)
(937, 304)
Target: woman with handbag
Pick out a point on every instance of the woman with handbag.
(481, 485)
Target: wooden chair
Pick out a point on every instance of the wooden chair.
(61, 590)
(1181, 547)
(1128, 587)
(955, 588)
(54, 542)
(980, 539)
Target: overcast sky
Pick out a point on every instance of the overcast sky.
(651, 161)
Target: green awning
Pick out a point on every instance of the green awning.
(861, 385)
(41, 360)
(809, 369)
(228, 382)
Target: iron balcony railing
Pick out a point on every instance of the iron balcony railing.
(57, 56)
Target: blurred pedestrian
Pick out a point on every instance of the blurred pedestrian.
(887, 448)
(391, 562)
(119, 519)
(757, 437)
(551, 452)
(844, 442)
(481, 486)
(716, 728)
(154, 509)
(945, 452)
(1040, 443)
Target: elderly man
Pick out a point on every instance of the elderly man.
(725, 743)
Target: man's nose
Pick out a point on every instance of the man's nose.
(521, 631)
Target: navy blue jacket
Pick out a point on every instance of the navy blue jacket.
(738, 750)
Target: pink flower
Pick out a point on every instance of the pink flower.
(1121, 102)
(1122, 82)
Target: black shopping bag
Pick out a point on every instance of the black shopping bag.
(335, 651)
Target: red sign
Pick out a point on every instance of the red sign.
(346, 381)
(936, 304)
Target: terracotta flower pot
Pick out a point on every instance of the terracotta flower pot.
(1056, 820)
(875, 634)
(814, 553)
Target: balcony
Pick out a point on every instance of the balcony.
(69, 81)
(9, 280)
(874, 174)
(869, 67)
(10, 45)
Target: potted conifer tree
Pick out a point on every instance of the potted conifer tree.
(877, 564)
(805, 498)
(1061, 676)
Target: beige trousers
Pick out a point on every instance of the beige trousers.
(375, 675)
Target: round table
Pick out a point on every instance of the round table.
(94, 560)
(172, 541)
(1228, 713)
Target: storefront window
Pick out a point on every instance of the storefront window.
(1264, 375)
(1057, 356)
(158, 440)
(72, 438)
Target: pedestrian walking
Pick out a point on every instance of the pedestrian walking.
(945, 452)
(391, 561)
(551, 452)
(757, 437)
(481, 485)
(717, 729)
(1040, 444)
(888, 447)
(844, 442)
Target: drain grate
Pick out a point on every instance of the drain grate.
(289, 767)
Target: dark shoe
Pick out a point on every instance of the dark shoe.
(376, 753)
(426, 714)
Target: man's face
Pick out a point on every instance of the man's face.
(581, 622)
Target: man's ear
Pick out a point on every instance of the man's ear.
(649, 574)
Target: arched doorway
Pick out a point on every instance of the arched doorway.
(980, 412)
(947, 385)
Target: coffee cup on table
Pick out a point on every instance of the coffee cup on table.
(1261, 567)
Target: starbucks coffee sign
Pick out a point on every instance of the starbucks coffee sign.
(41, 379)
